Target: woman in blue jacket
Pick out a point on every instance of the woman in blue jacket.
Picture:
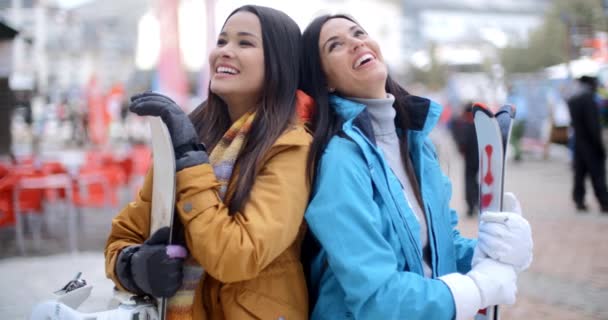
(380, 205)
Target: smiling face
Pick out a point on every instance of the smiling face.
(237, 61)
(351, 60)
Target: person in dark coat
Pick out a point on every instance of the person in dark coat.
(589, 153)
(463, 131)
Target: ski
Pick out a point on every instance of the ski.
(163, 186)
(493, 133)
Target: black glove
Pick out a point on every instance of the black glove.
(147, 269)
(189, 152)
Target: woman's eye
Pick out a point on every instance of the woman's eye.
(333, 45)
(359, 33)
(245, 43)
(221, 42)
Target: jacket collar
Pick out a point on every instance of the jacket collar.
(423, 113)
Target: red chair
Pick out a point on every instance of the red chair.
(18, 202)
(4, 170)
(126, 165)
(53, 167)
(97, 186)
(141, 158)
(28, 199)
(7, 213)
(23, 191)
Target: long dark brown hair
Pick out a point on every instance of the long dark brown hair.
(275, 110)
(325, 123)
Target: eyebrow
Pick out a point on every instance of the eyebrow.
(336, 37)
(240, 33)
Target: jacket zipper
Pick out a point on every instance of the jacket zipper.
(407, 228)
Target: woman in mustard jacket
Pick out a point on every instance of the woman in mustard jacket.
(240, 195)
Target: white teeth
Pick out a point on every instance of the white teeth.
(363, 58)
(226, 70)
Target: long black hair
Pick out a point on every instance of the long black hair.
(325, 123)
(276, 109)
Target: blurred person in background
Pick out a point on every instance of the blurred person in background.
(383, 241)
(589, 152)
(557, 124)
(602, 93)
(240, 195)
(463, 132)
(603, 105)
(516, 98)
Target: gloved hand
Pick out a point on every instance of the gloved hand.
(488, 283)
(183, 135)
(153, 268)
(505, 236)
(497, 282)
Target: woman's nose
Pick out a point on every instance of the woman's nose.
(356, 44)
(226, 52)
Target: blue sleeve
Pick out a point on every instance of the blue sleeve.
(464, 247)
(347, 222)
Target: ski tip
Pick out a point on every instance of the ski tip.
(509, 109)
(478, 106)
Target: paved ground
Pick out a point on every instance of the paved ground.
(568, 279)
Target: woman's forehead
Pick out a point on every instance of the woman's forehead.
(243, 21)
(335, 26)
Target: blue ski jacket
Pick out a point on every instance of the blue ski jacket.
(370, 262)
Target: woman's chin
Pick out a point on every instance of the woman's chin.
(221, 91)
(376, 74)
(381, 74)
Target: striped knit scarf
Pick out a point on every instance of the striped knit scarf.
(222, 158)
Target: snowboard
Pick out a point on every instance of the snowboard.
(163, 185)
(493, 133)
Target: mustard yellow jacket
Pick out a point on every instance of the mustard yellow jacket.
(252, 258)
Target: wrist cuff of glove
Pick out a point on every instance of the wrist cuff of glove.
(190, 155)
(180, 151)
(467, 298)
(123, 270)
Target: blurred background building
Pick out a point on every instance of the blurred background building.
(7, 101)
(68, 66)
(74, 62)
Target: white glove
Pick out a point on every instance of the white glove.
(505, 236)
(497, 282)
(488, 283)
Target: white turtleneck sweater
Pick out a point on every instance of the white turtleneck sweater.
(382, 116)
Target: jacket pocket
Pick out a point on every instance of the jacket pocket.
(258, 306)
